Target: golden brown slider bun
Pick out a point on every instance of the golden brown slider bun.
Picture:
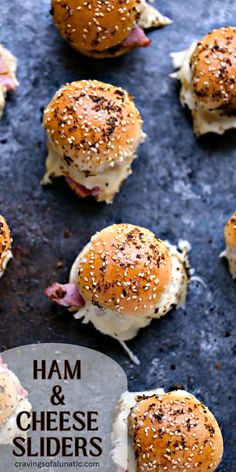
(13, 400)
(175, 432)
(94, 26)
(5, 243)
(213, 66)
(107, 54)
(92, 125)
(230, 231)
(93, 132)
(125, 268)
(8, 397)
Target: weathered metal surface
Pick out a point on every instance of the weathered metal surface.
(180, 188)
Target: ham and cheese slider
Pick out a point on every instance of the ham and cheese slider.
(207, 72)
(5, 245)
(93, 131)
(108, 28)
(13, 400)
(168, 432)
(8, 81)
(230, 240)
(123, 278)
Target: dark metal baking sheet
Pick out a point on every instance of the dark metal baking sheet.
(180, 188)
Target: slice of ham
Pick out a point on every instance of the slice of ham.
(82, 191)
(21, 392)
(137, 38)
(65, 295)
(6, 79)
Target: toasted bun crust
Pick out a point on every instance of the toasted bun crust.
(126, 269)
(93, 125)
(8, 396)
(213, 67)
(116, 51)
(175, 429)
(5, 241)
(95, 25)
(230, 231)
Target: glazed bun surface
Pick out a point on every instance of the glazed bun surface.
(230, 231)
(95, 25)
(93, 125)
(213, 67)
(174, 432)
(5, 241)
(126, 269)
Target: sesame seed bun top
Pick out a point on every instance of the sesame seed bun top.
(8, 398)
(10, 389)
(175, 432)
(125, 269)
(213, 67)
(92, 125)
(230, 231)
(95, 25)
(5, 241)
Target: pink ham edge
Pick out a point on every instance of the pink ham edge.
(137, 38)
(6, 80)
(21, 392)
(81, 190)
(65, 295)
(2, 364)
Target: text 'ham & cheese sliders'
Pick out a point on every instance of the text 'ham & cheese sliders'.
(93, 131)
(13, 400)
(5, 245)
(207, 71)
(230, 240)
(124, 278)
(8, 81)
(107, 28)
(168, 432)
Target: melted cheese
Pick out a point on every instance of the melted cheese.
(108, 180)
(9, 430)
(11, 63)
(215, 121)
(122, 452)
(6, 257)
(124, 328)
(151, 18)
(230, 254)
